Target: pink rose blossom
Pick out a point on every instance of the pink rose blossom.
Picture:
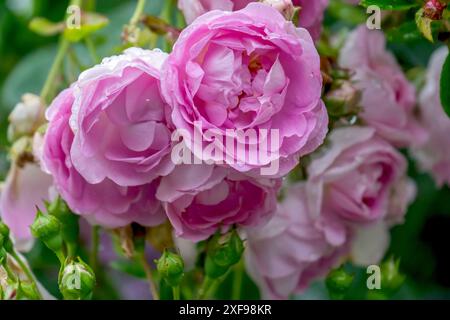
(195, 8)
(249, 69)
(434, 155)
(25, 189)
(199, 199)
(284, 256)
(311, 14)
(104, 203)
(118, 119)
(360, 182)
(388, 99)
(355, 175)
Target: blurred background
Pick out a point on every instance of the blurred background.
(422, 243)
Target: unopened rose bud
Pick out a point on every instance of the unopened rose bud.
(69, 221)
(5, 240)
(285, 7)
(343, 100)
(391, 278)
(26, 117)
(171, 268)
(77, 281)
(47, 228)
(338, 282)
(3, 256)
(434, 9)
(223, 252)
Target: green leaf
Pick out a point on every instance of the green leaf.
(445, 86)
(45, 27)
(406, 32)
(390, 4)
(346, 12)
(90, 23)
(424, 25)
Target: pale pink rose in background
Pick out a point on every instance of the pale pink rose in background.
(200, 199)
(293, 249)
(371, 241)
(25, 189)
(249, 69)
(388, 99)
(104, 203)
(360, 180)
(354, 175)
(434, 155)
(195, 8)
(311, 14)
(119, 123)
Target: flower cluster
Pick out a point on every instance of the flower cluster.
(203, 139)
(109, 142)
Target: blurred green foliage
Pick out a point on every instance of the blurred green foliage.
(421, 243)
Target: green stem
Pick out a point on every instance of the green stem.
(54, 71)
(92, 51)
(149, 276)
(95, 243)
(26, 270)
(9, 273)
(237, 281)
(205, 287)
(138, 12)
(61, 258)
(176, 293)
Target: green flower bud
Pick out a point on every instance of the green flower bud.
(226, 249)
(338, 282)
(391, 278)
(213, 270)
(4, 230)
(171, 268)
(48, 229)
(70, 228)
(3, 256)
(77, 281)
(27, 291)
(5, 241)
(223, 252)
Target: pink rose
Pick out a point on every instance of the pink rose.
(360, 182)
(244, 71)
(355, 175)
(105, 203)
(388, 99)
(25, 189)
(293, 249)
(195, 8)
(200, 199)
(434, 155)
(311, 14)
(118, 119)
